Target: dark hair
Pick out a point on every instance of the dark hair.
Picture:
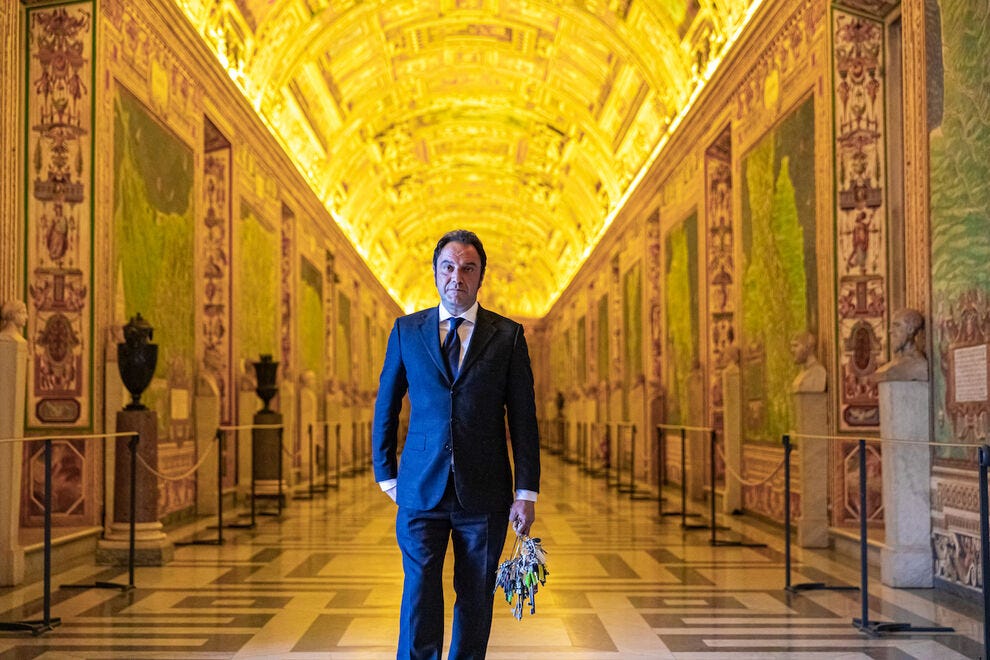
(466, 237)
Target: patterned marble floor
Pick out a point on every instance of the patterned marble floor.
(324, 582)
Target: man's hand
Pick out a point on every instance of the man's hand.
(521, 515)
(391, 492)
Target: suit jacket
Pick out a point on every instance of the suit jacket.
(465, 420)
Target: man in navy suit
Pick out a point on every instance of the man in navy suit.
(454, 481)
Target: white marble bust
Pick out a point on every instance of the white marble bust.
(14, 317)
(909, 362)
(307, 381)
(812, 377)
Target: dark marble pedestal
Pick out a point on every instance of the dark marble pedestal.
(266, 456)
(152, 546)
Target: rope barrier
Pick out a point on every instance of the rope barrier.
(676, 427)
(79, 436)
(185, 475)
(898, 441)
(742, 480)
(247, 427)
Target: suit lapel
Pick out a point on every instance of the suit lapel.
(429, 331)
(484, 330)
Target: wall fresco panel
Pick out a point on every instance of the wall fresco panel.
(960, 244)
(154, 241)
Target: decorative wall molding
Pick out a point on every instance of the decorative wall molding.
(214, 262)
(720, 268)
(786, 54)
(860, 214)
(287, 269)
(60, 100)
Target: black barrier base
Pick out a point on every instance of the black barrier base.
(199, 542)
(724, 543)
(34, 627)
(881, 628)
(817, 586)
(99, 585)
(687, 525)
(249, 525)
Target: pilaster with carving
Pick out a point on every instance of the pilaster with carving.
(60, 104)
(654, 278)
(11, 95)
(287, 262)
(720, 271)
(861, 213)
(214, 262)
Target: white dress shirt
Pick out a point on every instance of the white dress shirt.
(465, 331)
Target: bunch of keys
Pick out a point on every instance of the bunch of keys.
(521, 575)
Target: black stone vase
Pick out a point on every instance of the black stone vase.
(136, 359)
(265, 371)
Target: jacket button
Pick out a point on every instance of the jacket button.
(447, 447)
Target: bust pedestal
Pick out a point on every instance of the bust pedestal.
(697, 442)
(906, 557)
(811, 418)
(732, 429)
(13, 373)
(152, 546)
(207, 420)
(266, 456)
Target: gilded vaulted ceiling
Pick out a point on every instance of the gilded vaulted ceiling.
(527, 121)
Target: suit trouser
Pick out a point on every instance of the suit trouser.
(422, 536)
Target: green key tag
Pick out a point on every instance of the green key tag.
(521, 575)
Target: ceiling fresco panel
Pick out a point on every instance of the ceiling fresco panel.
(526, 120)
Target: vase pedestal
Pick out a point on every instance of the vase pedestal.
(152, 546)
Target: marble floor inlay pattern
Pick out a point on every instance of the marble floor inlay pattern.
(324, 580)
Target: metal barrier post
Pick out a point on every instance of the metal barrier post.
(221, 468)
(864, 620)
(876, 628)
(311, 491)
(683, 477)
(47, 611)
(131, 534)
(717, 542)
(326, 459)
(47, 622)
(337, 450)
(132, 445)
(711, 476)
(660, 472)
(984, 456)
(787, 511)
(281, 472)
(803, 586)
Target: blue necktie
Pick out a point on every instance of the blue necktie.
(452, 347)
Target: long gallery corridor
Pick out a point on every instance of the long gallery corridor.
(324, 581)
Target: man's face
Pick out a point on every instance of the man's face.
(458, 276)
